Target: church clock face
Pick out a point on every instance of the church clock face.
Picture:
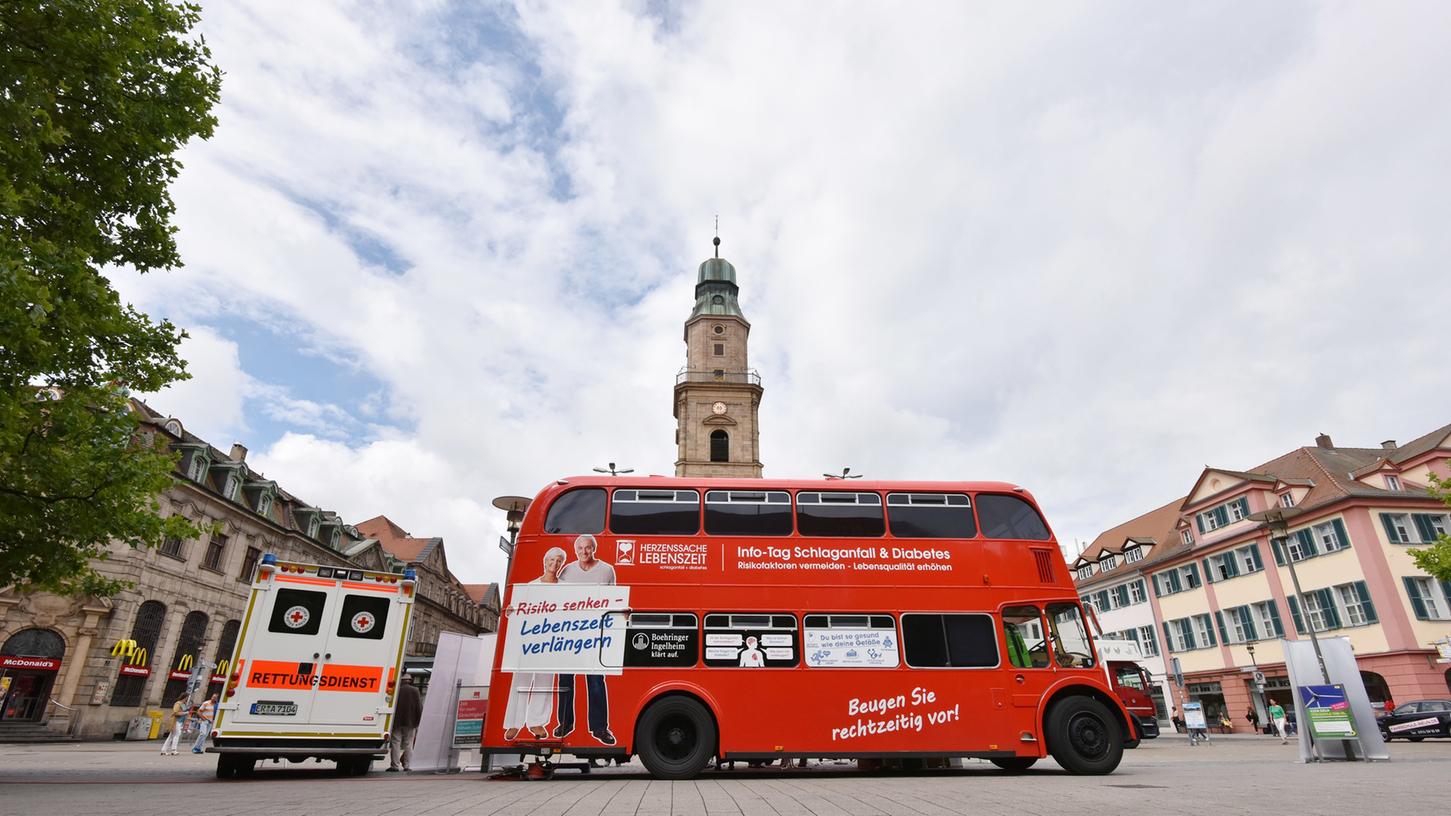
(718, 408)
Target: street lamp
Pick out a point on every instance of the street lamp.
(613, 471)
(845, 474)
(1276, 521)
(1255, 678)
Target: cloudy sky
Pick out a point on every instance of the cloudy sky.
(441, 252)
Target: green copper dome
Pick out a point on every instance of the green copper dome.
(716, 291)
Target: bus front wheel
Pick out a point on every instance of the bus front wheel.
(675, 738)
(1083, 736)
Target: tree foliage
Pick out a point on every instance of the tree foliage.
(1436, 559)
(96, 98)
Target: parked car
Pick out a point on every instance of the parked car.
(1418, 720)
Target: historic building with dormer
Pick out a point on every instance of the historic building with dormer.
(717, 393)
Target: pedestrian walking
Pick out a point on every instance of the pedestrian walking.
(178, 722)
(204, 716)
(407, 712)
(1277, 716)
(1177, 720)
(1254, 719)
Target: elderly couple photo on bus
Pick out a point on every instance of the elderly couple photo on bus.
(531, 693)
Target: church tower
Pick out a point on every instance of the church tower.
(717, 395)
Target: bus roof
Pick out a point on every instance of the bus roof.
(682, 482)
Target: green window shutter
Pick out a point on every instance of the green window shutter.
(1424, 528)
(1221, 515)
(1143, 588)
(1123, 594)
(1243, 506)
(1231, 563)
(1307, 542)
(1168, 639)
(1187, 628)
(1341, 534)
(1208, 572)
(1295, 614)
(1278, 546)
(1446, 590)
(1174, 583)
(1199, 522)
(1155, 582)
(1247, 621)
(1364, 592)
(1103, 600)
(1210, 629)
(1194, 576)
(1254, 554)
(1418, 605)
(1223, 633)
(1331, 611)
(1391, 534)
(1275, 619)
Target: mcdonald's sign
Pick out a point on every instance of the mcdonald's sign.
(123, 648)
(135, 659)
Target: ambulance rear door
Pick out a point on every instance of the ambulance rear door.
(284, 651)
(361, 655)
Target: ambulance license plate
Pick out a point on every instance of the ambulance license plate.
(275, 709)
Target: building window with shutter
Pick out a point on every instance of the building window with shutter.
(1319, 614)
(1147, 640)
(249, 565)
(172, 547)
(1427, 599)
(1398, 527)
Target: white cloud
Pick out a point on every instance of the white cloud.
(1084, 248)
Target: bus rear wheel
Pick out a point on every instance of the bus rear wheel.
(1083, 736)
(675, 738)
(1014, 764)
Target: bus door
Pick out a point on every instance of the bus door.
(1027, 671)
(359, 650)
(282, 653)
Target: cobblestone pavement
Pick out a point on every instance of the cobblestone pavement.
(1166, 776)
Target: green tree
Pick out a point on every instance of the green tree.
(1436, 559)
(96, 98)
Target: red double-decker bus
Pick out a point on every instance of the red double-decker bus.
(685, 620)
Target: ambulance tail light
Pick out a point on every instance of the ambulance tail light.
(232, 684)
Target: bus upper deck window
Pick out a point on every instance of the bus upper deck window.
(1071, 648)
(748, 512)
(848, 515)
(1009, 517)
(578, 511)
(930, 515)
(655, 512)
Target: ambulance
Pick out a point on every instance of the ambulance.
(315, 669)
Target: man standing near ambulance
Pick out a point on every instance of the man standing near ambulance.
(406, 715)
(586, 569)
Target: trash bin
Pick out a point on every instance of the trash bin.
(156, 718)
(139, 728)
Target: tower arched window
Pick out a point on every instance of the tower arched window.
(720, 446)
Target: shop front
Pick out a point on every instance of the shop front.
(29, 662)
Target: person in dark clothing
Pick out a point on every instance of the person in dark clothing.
(1254, 720)
(407, 712)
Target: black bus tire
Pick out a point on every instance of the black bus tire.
(1014, 764)
(1083, 736)
(675, 738)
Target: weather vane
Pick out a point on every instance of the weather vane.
(716, 241)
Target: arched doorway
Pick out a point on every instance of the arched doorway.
(29, 662)
(1376, 689)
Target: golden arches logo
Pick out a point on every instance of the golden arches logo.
(123, 648)
(139, 657)
(222, 667)
(184, 663)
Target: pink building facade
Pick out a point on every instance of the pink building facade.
(1222, 593)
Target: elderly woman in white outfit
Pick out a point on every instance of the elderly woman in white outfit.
(531, 694)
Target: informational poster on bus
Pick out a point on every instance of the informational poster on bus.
(730, 643)
(662, 647)
(565, 628)
(851, 648)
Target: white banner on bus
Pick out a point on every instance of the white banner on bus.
(565, 628)
(851, 647)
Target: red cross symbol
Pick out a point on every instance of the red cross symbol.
(364, 623)
(297, 616)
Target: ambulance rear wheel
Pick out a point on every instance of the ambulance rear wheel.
(230, 766)
(1083, 736)
(1014, 764)
(675, 737)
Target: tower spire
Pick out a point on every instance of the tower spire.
(716, 240)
